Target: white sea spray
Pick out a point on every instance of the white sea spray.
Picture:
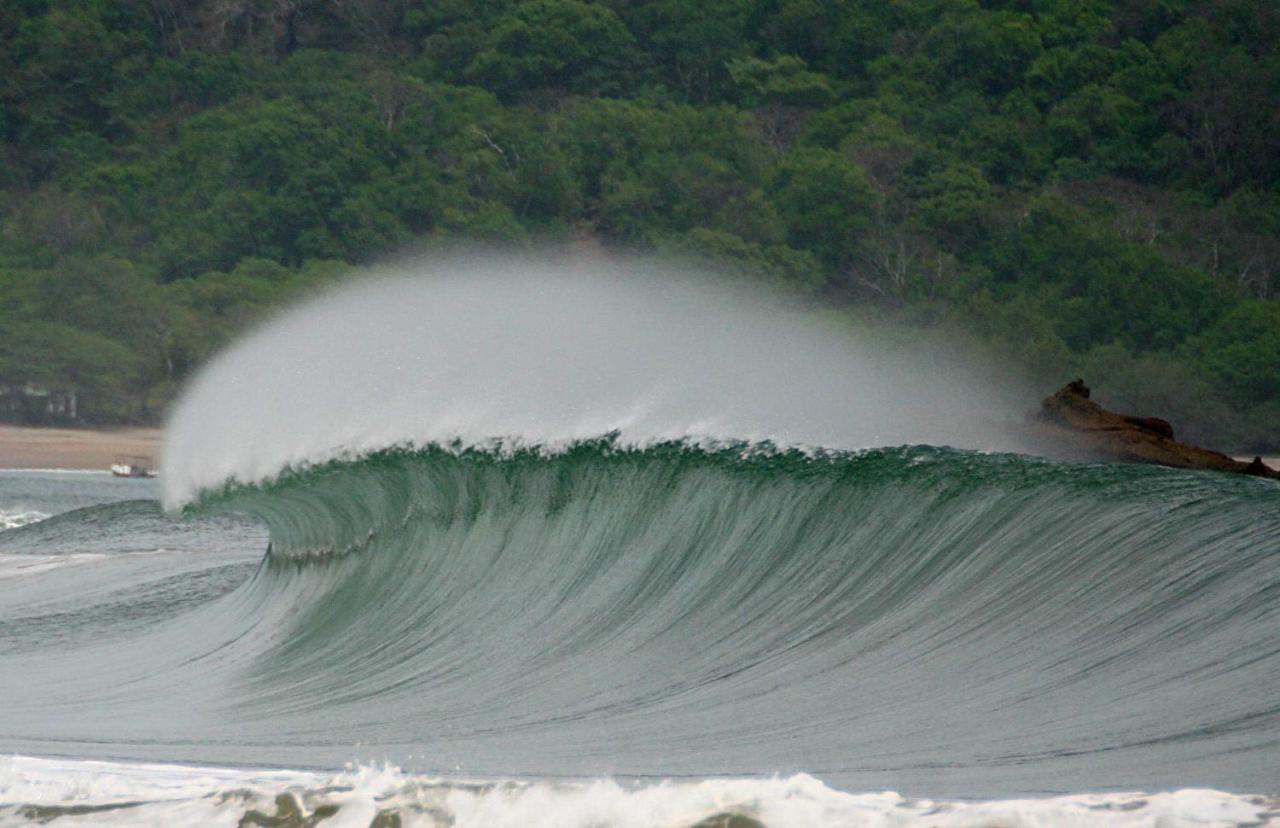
(542, 353)
(113, 795)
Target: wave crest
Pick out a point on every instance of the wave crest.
(537, 353)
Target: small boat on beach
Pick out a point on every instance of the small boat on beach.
(132, 466)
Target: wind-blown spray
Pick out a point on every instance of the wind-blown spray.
(544, 353)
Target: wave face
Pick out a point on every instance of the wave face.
(923, 619)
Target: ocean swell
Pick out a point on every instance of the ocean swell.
(924, 618)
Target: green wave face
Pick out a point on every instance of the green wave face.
(929, 620)
(920, 618)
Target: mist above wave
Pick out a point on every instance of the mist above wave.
(546, 352)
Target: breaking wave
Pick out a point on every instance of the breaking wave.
(13, 518)
(923, 619)
(129, 794)
(665, 550)
(545, 354)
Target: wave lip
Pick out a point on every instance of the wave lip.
(539, 353)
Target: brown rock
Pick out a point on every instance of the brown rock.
(1070, 421)
(729, 820)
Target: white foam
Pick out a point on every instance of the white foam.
(13, 518)
(539, 353)
(178, 795)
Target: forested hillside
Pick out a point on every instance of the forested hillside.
(1090, 187)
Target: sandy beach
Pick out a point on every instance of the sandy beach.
(74, 448)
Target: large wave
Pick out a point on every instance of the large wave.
(679, 611)
(546, 526)
(922, 619)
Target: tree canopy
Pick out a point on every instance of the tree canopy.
(1083, 186)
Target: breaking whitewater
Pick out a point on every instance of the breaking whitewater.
(512, 544)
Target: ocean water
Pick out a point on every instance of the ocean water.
(657, 600)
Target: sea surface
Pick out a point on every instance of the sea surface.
(646, 637)
(501, 545)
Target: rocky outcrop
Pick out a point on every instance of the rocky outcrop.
(729, 820)
(1077, 425)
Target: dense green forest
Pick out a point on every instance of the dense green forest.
(1086, 187)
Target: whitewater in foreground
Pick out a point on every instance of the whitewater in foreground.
(105, 794)
(506, 543)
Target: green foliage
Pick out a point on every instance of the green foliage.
(690, 45)
(956, 200)
(826, 201)
(645, 171)
(784, 80)
(783, 266)
(1088, 186)
(1242, 351)
(561, 43)
(102, 371)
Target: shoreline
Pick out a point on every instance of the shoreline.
(1271, 460)
(75, 449)
(95, 449)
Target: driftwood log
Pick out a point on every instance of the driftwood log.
(1079, 425)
